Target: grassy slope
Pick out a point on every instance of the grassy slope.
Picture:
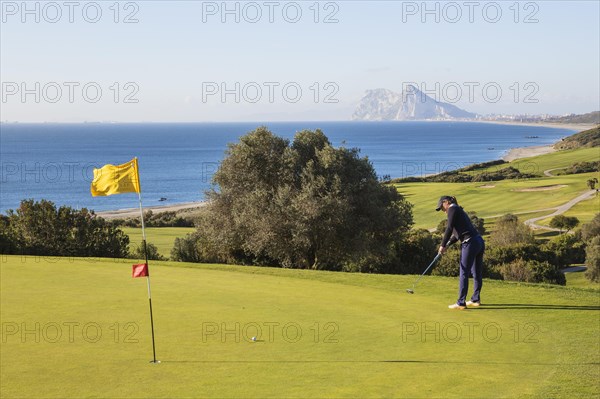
(559, 159)
(584, 211)
(555, 353)
(503, 197)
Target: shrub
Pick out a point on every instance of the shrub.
(449, 265)
(591, 229)
(517, 270)
(532, 271)
(138, 252)
(509, 231)
(566, 250)
(415, 252)
(592, 260)
(39, 228)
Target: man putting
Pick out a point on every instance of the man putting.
(471, 250)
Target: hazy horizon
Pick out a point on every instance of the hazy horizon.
(188, 61)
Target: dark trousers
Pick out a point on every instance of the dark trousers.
(471, 262)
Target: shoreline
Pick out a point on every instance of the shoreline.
(135, 212)
(532, 151)
(576, 127)
(527, 152)
(511, 155)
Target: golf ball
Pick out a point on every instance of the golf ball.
(254, 339)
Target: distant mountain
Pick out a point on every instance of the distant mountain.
(412, 104)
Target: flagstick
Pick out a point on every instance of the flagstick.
(148, 280)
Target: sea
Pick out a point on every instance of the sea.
(177, 160)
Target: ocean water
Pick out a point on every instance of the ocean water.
(56, 161)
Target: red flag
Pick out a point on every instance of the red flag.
(140, 270)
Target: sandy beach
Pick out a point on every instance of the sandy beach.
(578, 127)
(135, 212)
(526, 152)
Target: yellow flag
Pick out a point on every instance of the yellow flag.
(116, 179)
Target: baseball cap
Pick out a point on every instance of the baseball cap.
(442, 199)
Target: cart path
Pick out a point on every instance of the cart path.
(548, 172)
(559, 211)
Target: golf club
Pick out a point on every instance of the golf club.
(433, 262)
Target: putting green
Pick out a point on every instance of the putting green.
(80, 328)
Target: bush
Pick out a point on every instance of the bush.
(592, 260)
(39, 228)
(532, 271)
(517, 270)
(566, 250)
(509, 231)
(502, 174)
(591, 229)
(449, 265)
(496, 257)
(138, 252)
(414, 253)
(581, 167)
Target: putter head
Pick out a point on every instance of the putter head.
(410, 291)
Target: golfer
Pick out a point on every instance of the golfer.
(471, 250)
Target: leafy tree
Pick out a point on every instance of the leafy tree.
(592, 260)
(591, 183)
(7, 244)
(414, 253)
(563, 222)
(591, 229)
(565, 250)
(509, 231)
(303, 205)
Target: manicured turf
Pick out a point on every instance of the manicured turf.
(584, 211)
(323, 334)
(162, 237)
(489, 199)
(504, 197)
(559, 159)
(578, 280)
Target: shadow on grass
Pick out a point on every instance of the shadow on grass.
(492, 306)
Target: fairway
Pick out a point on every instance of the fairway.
(80, 328)
(162, 237)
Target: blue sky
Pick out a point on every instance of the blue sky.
(180, 57)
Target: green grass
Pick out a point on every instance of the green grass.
(503, 198)
(584, 211)
(361, 335)
(162, 237)
(558, 159)
(578, 280)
